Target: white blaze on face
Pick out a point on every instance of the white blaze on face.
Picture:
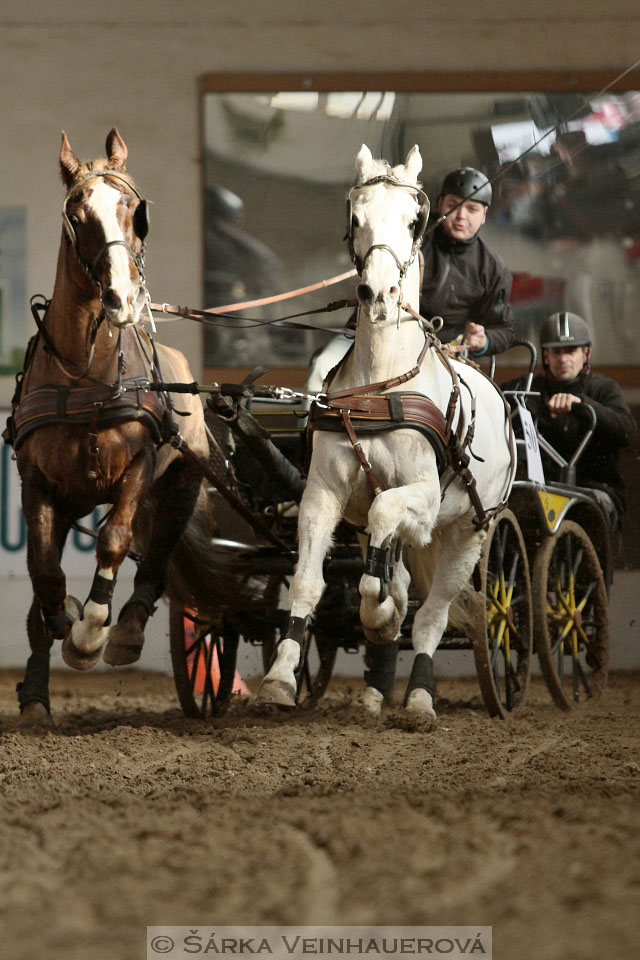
(103, 202)
(384, 214)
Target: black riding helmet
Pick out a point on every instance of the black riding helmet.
(565, 329)
(468, 183)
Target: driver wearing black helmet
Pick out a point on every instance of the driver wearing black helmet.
(465, 282)
(567, 386)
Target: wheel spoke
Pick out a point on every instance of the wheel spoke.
(587, 593)
(514, 676)
(503, 656)
(194, 666)
(583, 679)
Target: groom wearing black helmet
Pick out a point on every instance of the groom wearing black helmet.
(463, 281)
(566, 387)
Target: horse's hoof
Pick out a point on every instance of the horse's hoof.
(385, 634)
(121, 655)
(79, 659)
(371, 701)
(277, 692)
(73, 607)
(124, 646)
(35, 714)
(421, 703)
(381, 624)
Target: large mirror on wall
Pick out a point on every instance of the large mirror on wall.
(565, 215)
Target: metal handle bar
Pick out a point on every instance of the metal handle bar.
(592, 426)
(531, 347)
(568, 466)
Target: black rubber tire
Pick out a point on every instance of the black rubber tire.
(187, 653)
(503, 642)
(573, 650)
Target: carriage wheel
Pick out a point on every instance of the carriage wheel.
(503, 646)
(315, 669)
(204, 662)
(571, 616)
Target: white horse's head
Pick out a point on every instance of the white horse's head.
(387, 213)
(105, 222)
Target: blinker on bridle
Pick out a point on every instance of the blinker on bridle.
(418, 235)
(140, 226)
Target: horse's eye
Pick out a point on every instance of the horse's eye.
(412, 225)
(355, 223)
(74, 219)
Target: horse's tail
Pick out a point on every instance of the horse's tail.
(203, 573)
(206, 574)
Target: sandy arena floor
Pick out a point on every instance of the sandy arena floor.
(128, 815)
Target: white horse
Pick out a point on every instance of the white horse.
(393, 483)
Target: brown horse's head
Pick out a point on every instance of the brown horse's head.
(105, 221)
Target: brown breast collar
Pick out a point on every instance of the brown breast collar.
(97, 406)
(54, 403)
(382, 411)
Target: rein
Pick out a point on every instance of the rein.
(207, 316)
(262, 302)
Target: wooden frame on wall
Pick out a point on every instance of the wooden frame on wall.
(420, 82)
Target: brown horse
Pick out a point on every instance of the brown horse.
(86, 432)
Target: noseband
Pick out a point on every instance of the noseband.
(418, 236)
(141, 226)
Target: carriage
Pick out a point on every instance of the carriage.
(543, 577)
(407, 536)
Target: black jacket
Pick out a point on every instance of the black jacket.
(466, 281)
(615, 428)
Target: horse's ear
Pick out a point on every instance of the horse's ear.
(69, 163)
(116, 150)
(413, 164)
(364, 160)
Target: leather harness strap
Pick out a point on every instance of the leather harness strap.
(54, 403)
(385, 384)
(98, 405)
(374, 484)
(390, 411)
(387, 411)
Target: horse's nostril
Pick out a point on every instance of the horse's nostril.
(111, 299)
(394, 291)
(364, 293)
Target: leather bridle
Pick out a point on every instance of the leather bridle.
(40, 305)
(418, 235)
(141, 227)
